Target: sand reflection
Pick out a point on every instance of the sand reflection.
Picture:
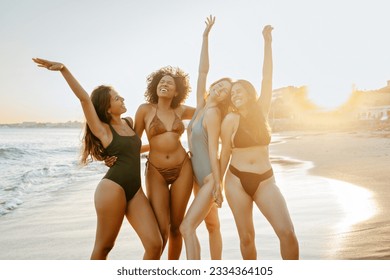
(356, 202)
(321, 208)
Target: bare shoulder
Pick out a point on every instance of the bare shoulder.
(130, 121)
(230, 122)
(212, 112)
(231, 118)
(144, 108)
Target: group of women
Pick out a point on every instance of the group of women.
(229, 111)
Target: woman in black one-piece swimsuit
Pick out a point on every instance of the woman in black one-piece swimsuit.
(119, 193)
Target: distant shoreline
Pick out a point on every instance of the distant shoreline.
(277, 126)
(69, 124)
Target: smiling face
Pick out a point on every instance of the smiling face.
(220, 90)
(166, 87)
(239, 95)
(167, 77)
(117, 105)
(242, 95)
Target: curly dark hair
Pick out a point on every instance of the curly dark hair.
(181, 80)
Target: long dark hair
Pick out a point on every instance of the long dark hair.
(182, 83)
(92, 147)
(256, 116)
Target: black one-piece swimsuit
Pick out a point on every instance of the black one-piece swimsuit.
(127, 169)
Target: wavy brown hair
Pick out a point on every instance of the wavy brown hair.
(182, 83)
(92, 147)
(258, 121)
(225, 104)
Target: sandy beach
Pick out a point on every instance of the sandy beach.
(62, 225)
(360, 158)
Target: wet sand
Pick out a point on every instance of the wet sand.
(360, 158)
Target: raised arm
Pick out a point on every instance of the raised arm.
(204, 64)
(266, 84)
(96, 126)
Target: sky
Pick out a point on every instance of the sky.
(329, 46)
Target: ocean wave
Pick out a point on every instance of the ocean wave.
(44, 177)
(9, 204)
(12, 153)
(35, 164)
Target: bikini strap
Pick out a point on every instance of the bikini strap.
(128, 123)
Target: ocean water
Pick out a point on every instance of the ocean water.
(38, 163)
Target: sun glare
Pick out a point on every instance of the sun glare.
(356, 202)
(329, 97)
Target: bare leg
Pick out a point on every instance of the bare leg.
(215, 237)
(197, 212)
(110, 205)
(273, 206)
(140, 215)
(214, 228)
(158, 194)
(179, 195)
(241, 205)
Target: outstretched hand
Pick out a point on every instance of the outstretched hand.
(50, 65)
(209, 24)
(267, 33)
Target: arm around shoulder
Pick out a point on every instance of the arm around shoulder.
(139, 123)
(188, 112)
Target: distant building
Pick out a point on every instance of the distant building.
(381, 113)
(291, 109)
(377, 97)
(370, 104)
